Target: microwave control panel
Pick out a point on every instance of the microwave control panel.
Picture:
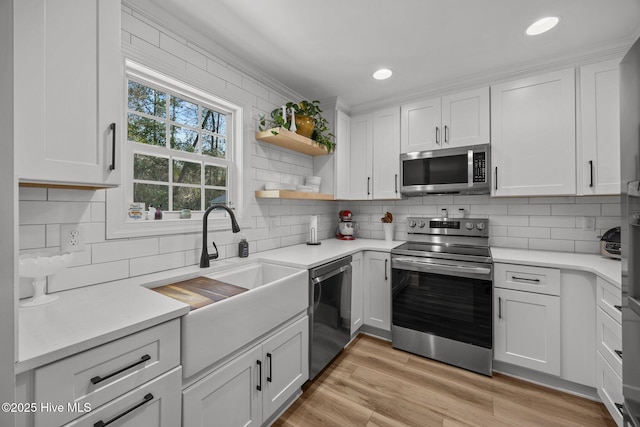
(479, 167)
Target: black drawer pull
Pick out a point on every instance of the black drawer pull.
(591, 172)
(259, 386)
(499, 308)
(619, 406)
(619, 307)
(525, 279)
(112, 166)
(619, 353)
(98, 379)
(147, 398)
(269, 377)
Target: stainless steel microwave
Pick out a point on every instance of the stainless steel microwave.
(461, 170)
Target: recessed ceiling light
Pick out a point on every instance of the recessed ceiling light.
(382, 74)
(542, 25)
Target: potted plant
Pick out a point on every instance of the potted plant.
(305, 112)
(387, 226)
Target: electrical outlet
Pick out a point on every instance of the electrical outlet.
(589, 223)
(72, 238)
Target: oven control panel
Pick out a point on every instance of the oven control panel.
(449, 226)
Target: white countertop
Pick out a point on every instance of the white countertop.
(606, 268)
(87, 317)
(309, 256)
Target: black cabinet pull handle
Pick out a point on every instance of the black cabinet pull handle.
(619, 406)
(112, 166)
(147, 398)
(437, 135)
(98, 379)
(396, 178)
(368, 185)
(499, 308)
(386, 263)
(496, 183)
(446, 133)
(591, 172)
(619, 353)
(619, 307)
(269, 377)
(525, 279)
(259, 386)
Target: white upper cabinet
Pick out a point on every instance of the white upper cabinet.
(599, 156)
(533, 135)
(68, 92)
(374, 156)
(386, 154)
(421, 127)
(360, 155)
(342, 155)
(456, 120)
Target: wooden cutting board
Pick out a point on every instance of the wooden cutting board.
(199, 291)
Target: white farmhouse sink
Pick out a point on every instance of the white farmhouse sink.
(276, 293)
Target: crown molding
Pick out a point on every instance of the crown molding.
(159, 17)
(552, 63)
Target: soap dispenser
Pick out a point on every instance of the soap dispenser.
(243, 247)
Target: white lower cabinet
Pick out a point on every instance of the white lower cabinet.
(526, 330)
(609, 388)
(248, 390)
(357, 292)
(154, 404)
(377, 290)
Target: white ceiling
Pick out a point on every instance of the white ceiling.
(331, 47)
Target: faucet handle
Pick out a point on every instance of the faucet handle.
(214, 256)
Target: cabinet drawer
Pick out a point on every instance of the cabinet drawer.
(540, 280)
(609, 388)
(609, 340)
(156, 403)
(609, 298)
(103, 373)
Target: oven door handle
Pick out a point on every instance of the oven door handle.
(429, 266)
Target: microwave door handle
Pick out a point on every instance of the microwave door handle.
(470, 168)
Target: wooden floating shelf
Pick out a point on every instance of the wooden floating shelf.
(291, 140)
(297, 195)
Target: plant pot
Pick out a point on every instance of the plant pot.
(388, 231)
(305, 126)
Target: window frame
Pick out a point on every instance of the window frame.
(118, 199)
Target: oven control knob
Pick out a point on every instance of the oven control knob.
(421, 224)
(481, 226)
(412, 223)
(469, 226)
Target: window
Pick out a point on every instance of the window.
(179, 147)
(182, 150)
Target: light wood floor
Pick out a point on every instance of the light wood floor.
(372, 384)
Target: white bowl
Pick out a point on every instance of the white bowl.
(313, 180)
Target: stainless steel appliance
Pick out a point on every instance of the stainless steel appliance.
(329, 312)
(463, 170)
(630, 231)
(610, 243)
(346, 227)
(442, 292)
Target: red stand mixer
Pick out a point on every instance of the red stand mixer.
(346, 227)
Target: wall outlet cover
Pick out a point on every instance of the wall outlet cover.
(72, 238)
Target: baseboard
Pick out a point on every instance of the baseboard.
(273, 418)
(545, 380)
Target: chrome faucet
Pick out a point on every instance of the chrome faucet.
(205, 257)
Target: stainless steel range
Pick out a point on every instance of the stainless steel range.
(442, 292)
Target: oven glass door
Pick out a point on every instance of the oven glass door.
(458, 308)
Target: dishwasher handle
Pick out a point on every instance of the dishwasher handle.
(330, 274)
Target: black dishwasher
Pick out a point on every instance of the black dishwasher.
(329, 312)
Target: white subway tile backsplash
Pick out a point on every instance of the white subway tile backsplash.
(509, 242)
(32, 193)
(552, 221)
(608, 222)
(587, 247)
(522, 221)
(98, 212)
(65, 195)
(476, 210)
(573, 234)
(552, 200)
(124, 249)
(581, 209)
(179, 242)
(88, 275)
(552, 245)
(537, 232)
(31, 236)
(529, 209)
(151, 264)
(54, 212)
(611, 209)
(53, 235)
